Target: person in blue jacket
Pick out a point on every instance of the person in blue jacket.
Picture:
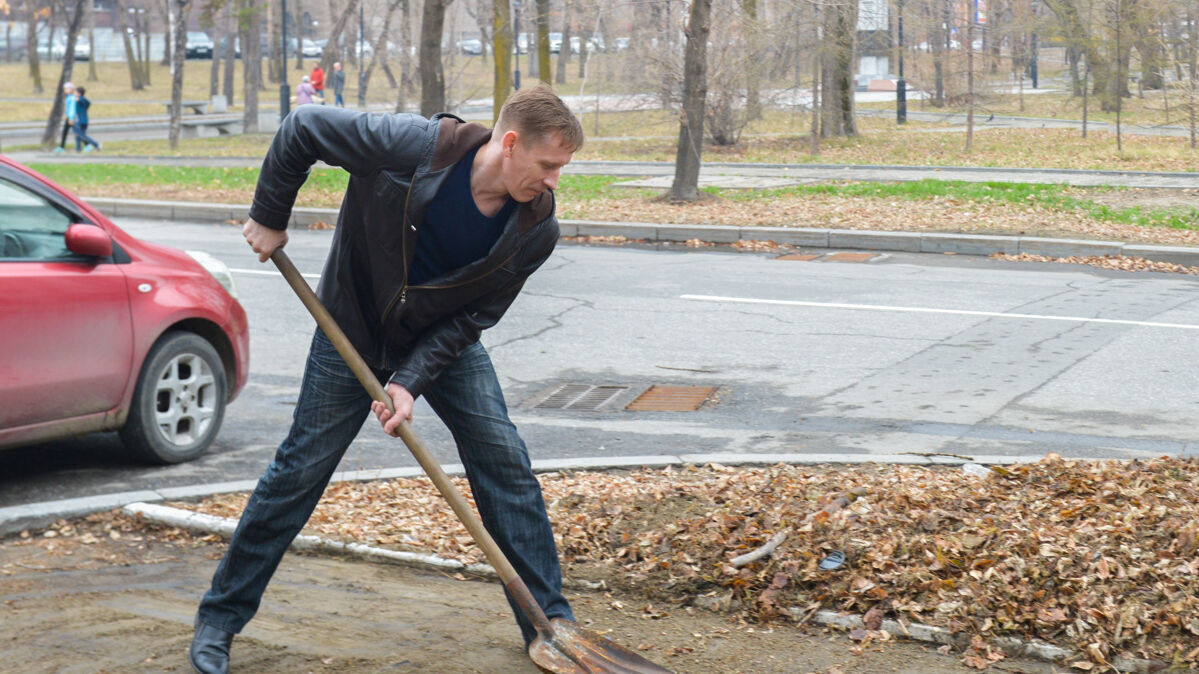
(82, 141)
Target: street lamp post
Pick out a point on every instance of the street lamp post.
(284, 89)
(516, 44)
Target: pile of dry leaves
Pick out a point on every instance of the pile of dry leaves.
(1100, 557)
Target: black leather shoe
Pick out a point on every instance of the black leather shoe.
(209, 652)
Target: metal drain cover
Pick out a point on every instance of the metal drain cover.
(589, 397)
(671, 398)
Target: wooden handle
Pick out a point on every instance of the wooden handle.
(491, 550)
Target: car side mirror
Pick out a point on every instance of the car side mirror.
(88, 240)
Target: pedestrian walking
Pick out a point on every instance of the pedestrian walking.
(305, 91)
(82, 104)
(68, 115)
(339, 84)
(441, 224)
(318, 81)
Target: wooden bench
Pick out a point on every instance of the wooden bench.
(198, 107)
(193, 128)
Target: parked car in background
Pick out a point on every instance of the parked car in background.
(620, 44)
(555, 43)
(58, 51)
(100, 331)
(471, 47)
(311, 49)
(199, 45)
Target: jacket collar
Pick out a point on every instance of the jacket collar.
(456, 137)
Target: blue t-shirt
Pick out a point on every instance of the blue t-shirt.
(454, 233)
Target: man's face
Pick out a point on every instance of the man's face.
(531, 168)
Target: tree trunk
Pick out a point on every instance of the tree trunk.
(564, 48)
(135, 76)
(218, 37)
(502, 40)
(180, 10)
(251, 59)
(231, 31)
(91, 41)
(35, 66)
(168, 28)
(968, 45)
(695, 93)
(432, 78)
(299, 14)
(274, 50)
(837, 108)
(54, 122)
(543, 41)
(753, 99)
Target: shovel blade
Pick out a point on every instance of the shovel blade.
(567, 648)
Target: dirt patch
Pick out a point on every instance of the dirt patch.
(1147, 198)
(92, 602)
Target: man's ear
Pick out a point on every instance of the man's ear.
(508, 142)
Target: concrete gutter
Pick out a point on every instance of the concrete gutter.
(910, 242)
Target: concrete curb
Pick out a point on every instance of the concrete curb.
(33, 515)
(911, 242)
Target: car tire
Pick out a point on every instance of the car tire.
(179, 402)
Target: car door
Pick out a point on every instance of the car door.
(65, 328)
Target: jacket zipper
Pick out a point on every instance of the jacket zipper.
(402, 296)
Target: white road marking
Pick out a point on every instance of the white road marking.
(927, 310)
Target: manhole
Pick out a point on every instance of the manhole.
(671, 398)
(802, 257)
(849, 257)
(580, 397)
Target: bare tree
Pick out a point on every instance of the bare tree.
(543, 40)
(249, 20)
(35, 66)
(91, 41)
(135, 71)
(378, 52)
(502, 39)
(695, 92)
(332, 50)
(180, 10)
(564, 48)
(753, 100)
(432, 76)
(232, 24)
(74, 19)
(968, 45)
(837, 85)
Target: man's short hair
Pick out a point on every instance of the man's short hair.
(535, 113)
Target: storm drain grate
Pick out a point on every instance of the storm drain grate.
(671, 398)
(580, 397)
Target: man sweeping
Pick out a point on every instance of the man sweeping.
(442, 223)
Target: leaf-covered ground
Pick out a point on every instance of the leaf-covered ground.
(1100, 557)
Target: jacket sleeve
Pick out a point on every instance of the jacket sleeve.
(359, 142)
(444, 341)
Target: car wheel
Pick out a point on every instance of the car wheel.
(179, 401)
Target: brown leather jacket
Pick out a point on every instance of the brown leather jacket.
(397, 163)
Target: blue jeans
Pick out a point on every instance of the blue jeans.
(331, 409)
(81, 137)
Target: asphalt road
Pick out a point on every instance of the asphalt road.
(905, 353)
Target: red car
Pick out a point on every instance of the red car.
(100, 331)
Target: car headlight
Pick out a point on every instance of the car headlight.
(219, 270)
